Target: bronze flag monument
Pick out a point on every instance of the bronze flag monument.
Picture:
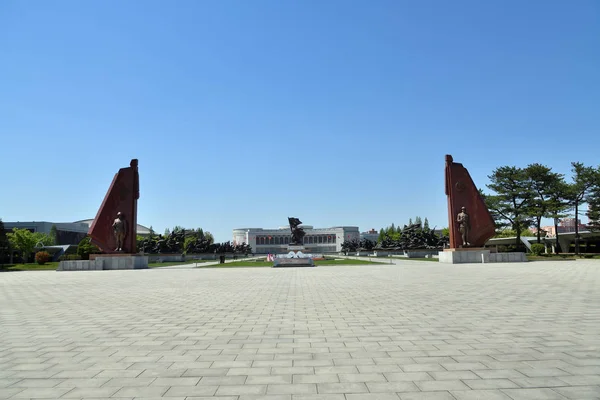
(114, 228)
(470, 222)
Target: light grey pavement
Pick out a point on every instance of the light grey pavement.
(413, 330)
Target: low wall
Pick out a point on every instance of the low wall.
(100, 263)
(80, 265)
(508, 257)
(478, 256)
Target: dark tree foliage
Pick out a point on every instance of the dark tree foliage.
(191, 242)
(86, 247)
(593, 213)
(542, 181)
(413, 237)
(585, 181)
(513, 199)
(350, 245)
(171, 244)
(4, 244)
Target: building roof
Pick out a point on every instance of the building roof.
(141, 229)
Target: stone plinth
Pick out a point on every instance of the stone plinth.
(478, 256)
(293, 262)
(295, 258)
(464, 256)
(102, 262)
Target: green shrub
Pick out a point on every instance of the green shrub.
(42, 257)
(538, 249)
(86, 247)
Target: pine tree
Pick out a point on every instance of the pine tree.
(418, 221)
(4, 244)
(426, 224)
(513, 199)
(410, 222)
(54, 234)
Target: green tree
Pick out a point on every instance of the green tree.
(510, 204)
(381, 235)
(53, 235)
(152, 233)
(418, 221)
(558, 203)
(86, 247)
(585, 180)
(209, 236)
(4, 243)
(410, 222)
(426, 224)
(541, 181)
(167, 232)
(446, 231)
(593, 213)
(23, 240)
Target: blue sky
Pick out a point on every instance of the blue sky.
(243, 113)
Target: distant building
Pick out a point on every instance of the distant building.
(371, 235)
(321, 240)
(67, 232)
(565, 225)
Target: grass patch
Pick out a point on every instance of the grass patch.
(49, 266)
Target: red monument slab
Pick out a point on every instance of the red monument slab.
(114, 229)
(470, 222)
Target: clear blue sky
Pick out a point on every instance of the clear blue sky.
(243, 113)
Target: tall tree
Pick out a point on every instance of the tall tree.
(4, 243)
(54, 234)
(558, 203)
(512, 199)
(593, 213)
(209, 237)
(418, 221)
(585, 179)
(426, 224)
(541, 180)
(23, 240)
(410, 222)
(381, 235)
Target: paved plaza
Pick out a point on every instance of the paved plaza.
(410, 330)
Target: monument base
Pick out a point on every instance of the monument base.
(478, 256)
(103, 262)
(295, 258)
(293, 262)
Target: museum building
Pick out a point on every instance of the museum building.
(317, 240)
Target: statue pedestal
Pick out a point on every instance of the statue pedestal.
(103, 262)
(295, 258)
(464, 256)
(478, 256)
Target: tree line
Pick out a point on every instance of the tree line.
(522, 196)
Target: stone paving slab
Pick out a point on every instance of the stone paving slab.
(409, 330)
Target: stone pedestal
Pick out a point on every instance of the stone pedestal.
(100, 262)
(464, 256)
(295, 258)
(293, 262)
(478, 256)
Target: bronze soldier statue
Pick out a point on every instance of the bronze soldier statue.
(464, 226)
(120, 230)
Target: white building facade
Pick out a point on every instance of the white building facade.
(276, 241)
